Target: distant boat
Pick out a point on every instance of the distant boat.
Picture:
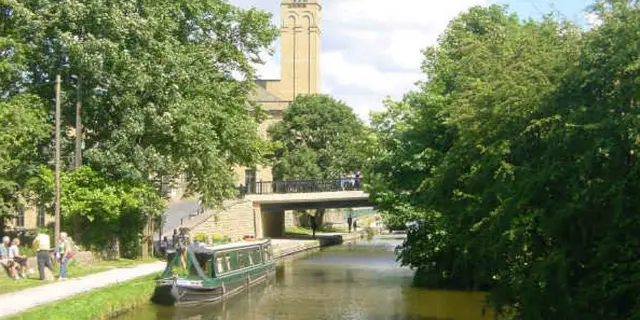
(198, 274)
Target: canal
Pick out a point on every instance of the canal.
(354, 281)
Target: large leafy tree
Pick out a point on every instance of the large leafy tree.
(23, 130)
(517, 160)
(319, 137)
(165, 84)
(165, 89)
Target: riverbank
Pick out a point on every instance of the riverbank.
(76, 269)
(17, 302)
(301, 242)
(118, 291)
(103, 303)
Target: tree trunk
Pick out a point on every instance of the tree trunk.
(113, 251)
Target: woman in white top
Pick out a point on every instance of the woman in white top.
(14, 253)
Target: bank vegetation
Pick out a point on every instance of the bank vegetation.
(516, 163)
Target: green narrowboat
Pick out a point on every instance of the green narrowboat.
(197, 274)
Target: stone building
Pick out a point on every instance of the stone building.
(300, 72)
(29, 217)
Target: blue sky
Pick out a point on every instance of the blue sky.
(570, 9)
(371, 49)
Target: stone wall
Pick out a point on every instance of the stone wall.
(234, 222)
(331, 216)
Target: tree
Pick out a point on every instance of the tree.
(23, 131)
(157, 87)
(165, 87)
(318, 138)
(112, 213)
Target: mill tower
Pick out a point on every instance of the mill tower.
(300, 50)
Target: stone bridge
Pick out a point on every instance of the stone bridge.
(261, 210)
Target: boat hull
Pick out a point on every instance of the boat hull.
(177, 295)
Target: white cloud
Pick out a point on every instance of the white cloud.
(371, 48)
(592, 19)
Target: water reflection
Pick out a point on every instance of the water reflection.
(355, 281)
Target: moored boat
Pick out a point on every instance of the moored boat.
(196, 274)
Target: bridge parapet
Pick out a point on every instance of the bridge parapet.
(302, 186)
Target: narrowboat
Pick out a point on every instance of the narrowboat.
(200, 274)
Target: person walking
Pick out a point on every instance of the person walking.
(65, 255)
(312, 220)
(43, 245)
(355, 225)
(174, 238)
(349, 222)
(164, 244)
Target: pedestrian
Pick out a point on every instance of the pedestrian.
(20, 261)
(65, 255)
(349, 222)
(312, 220)
(174, 238)
(42, 244)
(164, 244)
(5, 260)
(357, 182)
(355, 225)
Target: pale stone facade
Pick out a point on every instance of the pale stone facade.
(29, 217)
(300, 71)
(235, 222)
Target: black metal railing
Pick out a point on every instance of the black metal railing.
(302, 186)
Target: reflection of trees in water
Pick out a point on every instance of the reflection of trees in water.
(280, 273)
(240, 306)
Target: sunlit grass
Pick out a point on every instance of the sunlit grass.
(96, 304)
(8, 285)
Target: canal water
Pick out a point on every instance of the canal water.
(354, 281)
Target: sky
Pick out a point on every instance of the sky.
(371, 49)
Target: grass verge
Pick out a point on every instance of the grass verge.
(8, 285)
(96, 304)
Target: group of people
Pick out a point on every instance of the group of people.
(17, 265)
(11, 259)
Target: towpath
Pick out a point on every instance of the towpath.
(17, 302)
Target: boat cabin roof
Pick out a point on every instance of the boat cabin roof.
(230, 246)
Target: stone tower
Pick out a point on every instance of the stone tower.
(300, 74)
(300, 39)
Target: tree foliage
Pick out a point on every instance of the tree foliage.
(165, 89)
(23, 130)
(156, 81)
(110, 212)
(517, 160)
(319, 137)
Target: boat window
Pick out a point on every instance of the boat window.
(203, 261)
(192, 270)
(227, 259)
(220, 264)
(257, 255)
(242, 263)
